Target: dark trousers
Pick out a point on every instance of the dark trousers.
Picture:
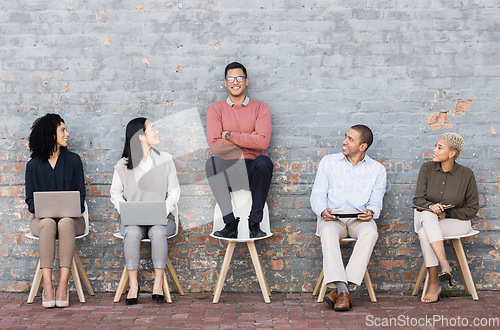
(226, 175)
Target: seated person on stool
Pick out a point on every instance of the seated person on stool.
(442, 182)
(53, 167)
(145, 174)
(348, 181)
(238, 133)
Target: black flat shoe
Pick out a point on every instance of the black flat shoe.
(133, 301)
(159, 298)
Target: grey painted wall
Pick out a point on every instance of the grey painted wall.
(410, 70)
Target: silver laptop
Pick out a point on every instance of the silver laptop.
(143, 213)
(57, 204)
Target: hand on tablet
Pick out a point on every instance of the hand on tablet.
(327, 216)
(436, 208)
(366, 216)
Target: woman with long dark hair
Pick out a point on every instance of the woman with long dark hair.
(145, 174)
(53, 167)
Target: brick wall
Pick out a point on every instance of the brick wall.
(410, 70)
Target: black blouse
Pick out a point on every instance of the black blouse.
(67, 175)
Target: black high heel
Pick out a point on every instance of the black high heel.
(159, 298)
(133, 301)
(446, 276)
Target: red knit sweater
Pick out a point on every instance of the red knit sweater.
(250, 128)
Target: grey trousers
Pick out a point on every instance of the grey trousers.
(159, 247)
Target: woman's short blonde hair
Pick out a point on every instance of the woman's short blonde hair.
(455, 141)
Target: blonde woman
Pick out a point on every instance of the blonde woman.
(443, 182)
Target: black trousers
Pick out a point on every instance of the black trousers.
(226, 175)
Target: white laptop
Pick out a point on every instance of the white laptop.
(143, 213)
(57, 204)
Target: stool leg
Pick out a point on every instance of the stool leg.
(166, 289)
(460, 270)
(369, 287)
(83, 273)
(426, 283)
(122, 285)
(420, 279)
(265, 281)
(172, 273)
(36, 285)
(77, 281)
(322, 292)
(462, 261)
(39, 291)
(223, 271)
(318, 283)
(267, 286)
(259, 271)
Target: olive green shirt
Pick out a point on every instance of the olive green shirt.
(457, 187)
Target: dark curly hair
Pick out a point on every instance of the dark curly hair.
(43, 137)
(132, 150)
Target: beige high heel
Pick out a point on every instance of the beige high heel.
(63, 303)
(431, 297)
(48, 304)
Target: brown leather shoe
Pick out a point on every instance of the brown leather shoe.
(343, 303)
(331, 298)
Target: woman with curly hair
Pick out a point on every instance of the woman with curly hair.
(53, 167)
(145, 174)
(441, 183)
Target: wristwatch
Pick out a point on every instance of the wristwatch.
(227, 135)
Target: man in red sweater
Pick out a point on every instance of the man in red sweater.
(238, 133)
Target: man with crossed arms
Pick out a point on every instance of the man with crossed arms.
(238, 133)
(349, 182)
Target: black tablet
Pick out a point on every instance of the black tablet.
(346, 215)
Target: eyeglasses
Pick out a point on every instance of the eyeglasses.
(238, 79)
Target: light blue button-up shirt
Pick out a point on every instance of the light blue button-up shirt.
(341, 186)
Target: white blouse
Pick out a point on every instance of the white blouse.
(116, 190)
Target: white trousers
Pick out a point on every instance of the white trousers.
(331, 232)
(434, 230)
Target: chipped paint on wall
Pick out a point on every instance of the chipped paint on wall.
(461, 108)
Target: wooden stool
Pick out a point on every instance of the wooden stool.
(242, 202)
(123, 285)
(124, 278)
(77, 270)
(460, 257)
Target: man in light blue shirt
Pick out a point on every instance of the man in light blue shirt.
(347, 198)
